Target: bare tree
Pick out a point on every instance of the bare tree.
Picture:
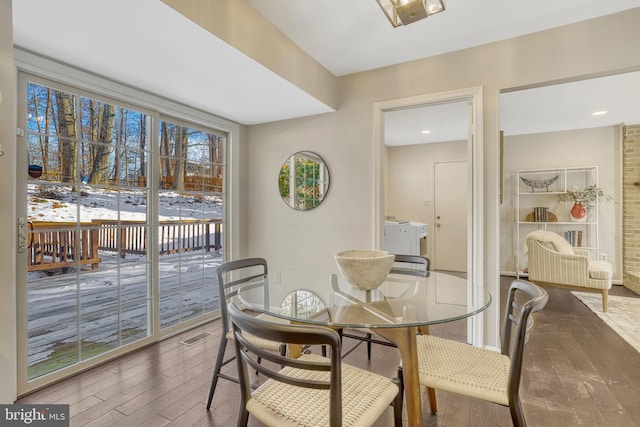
(165, 164)
(41, 138)
(120, 148)
(68, 136)
(102, 150)
(48, 113)
(143, 143)
(182, 138)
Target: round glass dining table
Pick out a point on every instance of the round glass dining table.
(401, 306)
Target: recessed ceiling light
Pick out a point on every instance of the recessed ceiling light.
(600, 113)
(426, 131)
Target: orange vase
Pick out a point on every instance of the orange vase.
(578, 212)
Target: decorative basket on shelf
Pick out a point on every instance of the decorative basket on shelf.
(539, 183)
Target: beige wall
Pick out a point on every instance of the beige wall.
(586, 147)
(7, 211)
(345, 138)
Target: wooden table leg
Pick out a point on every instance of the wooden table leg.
(294, 350)
(431, 392)
(405, 340)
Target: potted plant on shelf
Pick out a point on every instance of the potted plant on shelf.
(583, 200)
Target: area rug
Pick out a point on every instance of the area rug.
(623, 314)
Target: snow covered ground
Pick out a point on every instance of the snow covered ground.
(54, 298)
(95, 203)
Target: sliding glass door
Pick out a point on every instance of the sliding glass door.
(121, 227)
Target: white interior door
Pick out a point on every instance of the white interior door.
(450, 203)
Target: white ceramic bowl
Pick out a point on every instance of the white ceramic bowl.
(365, 269)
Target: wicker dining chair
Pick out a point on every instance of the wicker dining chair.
(480, 373)
(310, 390)
(230, 276)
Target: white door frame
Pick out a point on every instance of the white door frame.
(475, 215)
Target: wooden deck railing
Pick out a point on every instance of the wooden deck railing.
(173, 237)
(196, 183)
(55, 245)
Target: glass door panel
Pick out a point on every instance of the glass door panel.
(88, 281)
(191, 207)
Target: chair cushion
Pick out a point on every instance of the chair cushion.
(261, 342)
(462, 368)
(552, 241)
(365, 396)
(600, 270)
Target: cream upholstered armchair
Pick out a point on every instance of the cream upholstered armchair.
(553, 261)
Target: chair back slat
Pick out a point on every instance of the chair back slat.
(517, 325)
(236, 283)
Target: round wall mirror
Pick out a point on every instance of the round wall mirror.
(303, 181)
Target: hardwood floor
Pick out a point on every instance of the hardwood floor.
(578, 372)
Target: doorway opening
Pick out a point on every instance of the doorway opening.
(472, 153)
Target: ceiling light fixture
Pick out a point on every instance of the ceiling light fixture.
(426, 131)
(599, 113)
(405, 12)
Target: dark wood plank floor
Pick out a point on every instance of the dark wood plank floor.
(578, 373)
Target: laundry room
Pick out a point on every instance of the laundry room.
(426, 185)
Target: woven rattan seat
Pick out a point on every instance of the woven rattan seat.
(365, 396)
(461, 368)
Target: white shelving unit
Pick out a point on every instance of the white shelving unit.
(540, 188)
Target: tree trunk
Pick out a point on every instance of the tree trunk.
(100, 164)
(143, 142)
(216, 156)
(47, 122)
(36, 107)
(68, 135)
(120, 151)
(165, 164)
(182, 137)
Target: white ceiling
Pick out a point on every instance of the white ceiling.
(148, 45)
(347, 36)
(443, 122)
(554, 108)
(571, 105)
